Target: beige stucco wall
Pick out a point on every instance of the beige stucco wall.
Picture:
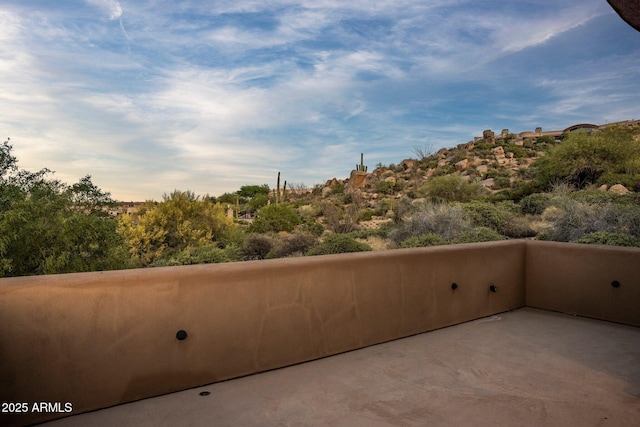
(576, 279)
(99, 339)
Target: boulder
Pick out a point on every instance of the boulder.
(603, 187)
(498, 152)
(487, 183)
(391, 179)
(408, 163)
(462, 165)
(357, 180)
(618, 189)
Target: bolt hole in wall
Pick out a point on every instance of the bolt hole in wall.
(615, 284)
(181, 335)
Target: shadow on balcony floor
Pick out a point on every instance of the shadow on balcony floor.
(525, 367)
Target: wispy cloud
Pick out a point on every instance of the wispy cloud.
(153, 95)
(111, 7)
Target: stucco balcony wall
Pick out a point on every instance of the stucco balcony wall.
(579, 279)
(101, 339)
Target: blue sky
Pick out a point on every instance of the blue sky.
(149, 96)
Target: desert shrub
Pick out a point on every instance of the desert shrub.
(486, 214)
(291, 244)
(337, 244)
(445, 220)
(516, 227)
(491, 173)
(337, 188)
(520, 189)
(478, 234)
(458, 155)
(573, 219)
(452, 188)
(339, 218)
(501, 217)
(535, 204)
(445, 170)
(203, 254)
(312, 226)
(386, 229)
(500, 182)
(365, 215)
(384, 187)
(275, 218)
(432, 164)
(583, 158)
(610, 178)
(257, 246)
(518, 152)
(546, 140)
(482, 146)
(609, 238)
(423, 240)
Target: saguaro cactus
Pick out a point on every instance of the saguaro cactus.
(278, 189)
(361, 167)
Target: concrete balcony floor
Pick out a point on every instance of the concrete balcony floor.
(527, 367)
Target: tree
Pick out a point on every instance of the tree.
(49, 227)
(251, 191)
(583, 158)
(180, 221)
(275, 218)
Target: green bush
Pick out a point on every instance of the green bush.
(257, 246)
(291, 244)
(518, 152)
(583, 158)
(478, 234)
(630, 181)
(275, 218)
(337, 244)
(445, 220)
(365, 215)
(313, 227)
(423, 240)
(517, 227)
(546, 140)
(386, 187)
(501, 182)
(445, 170)
(609, 238)
(576, 219)
(486, 214)
(204, 254)
(535, 204)
(491, 173)
(483, 146)
(452, 188)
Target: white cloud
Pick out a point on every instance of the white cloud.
(111, 7)
(207, 103)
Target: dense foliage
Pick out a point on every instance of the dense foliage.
(610, 156)
(47, 226)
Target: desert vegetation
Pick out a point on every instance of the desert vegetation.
(584, 188)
